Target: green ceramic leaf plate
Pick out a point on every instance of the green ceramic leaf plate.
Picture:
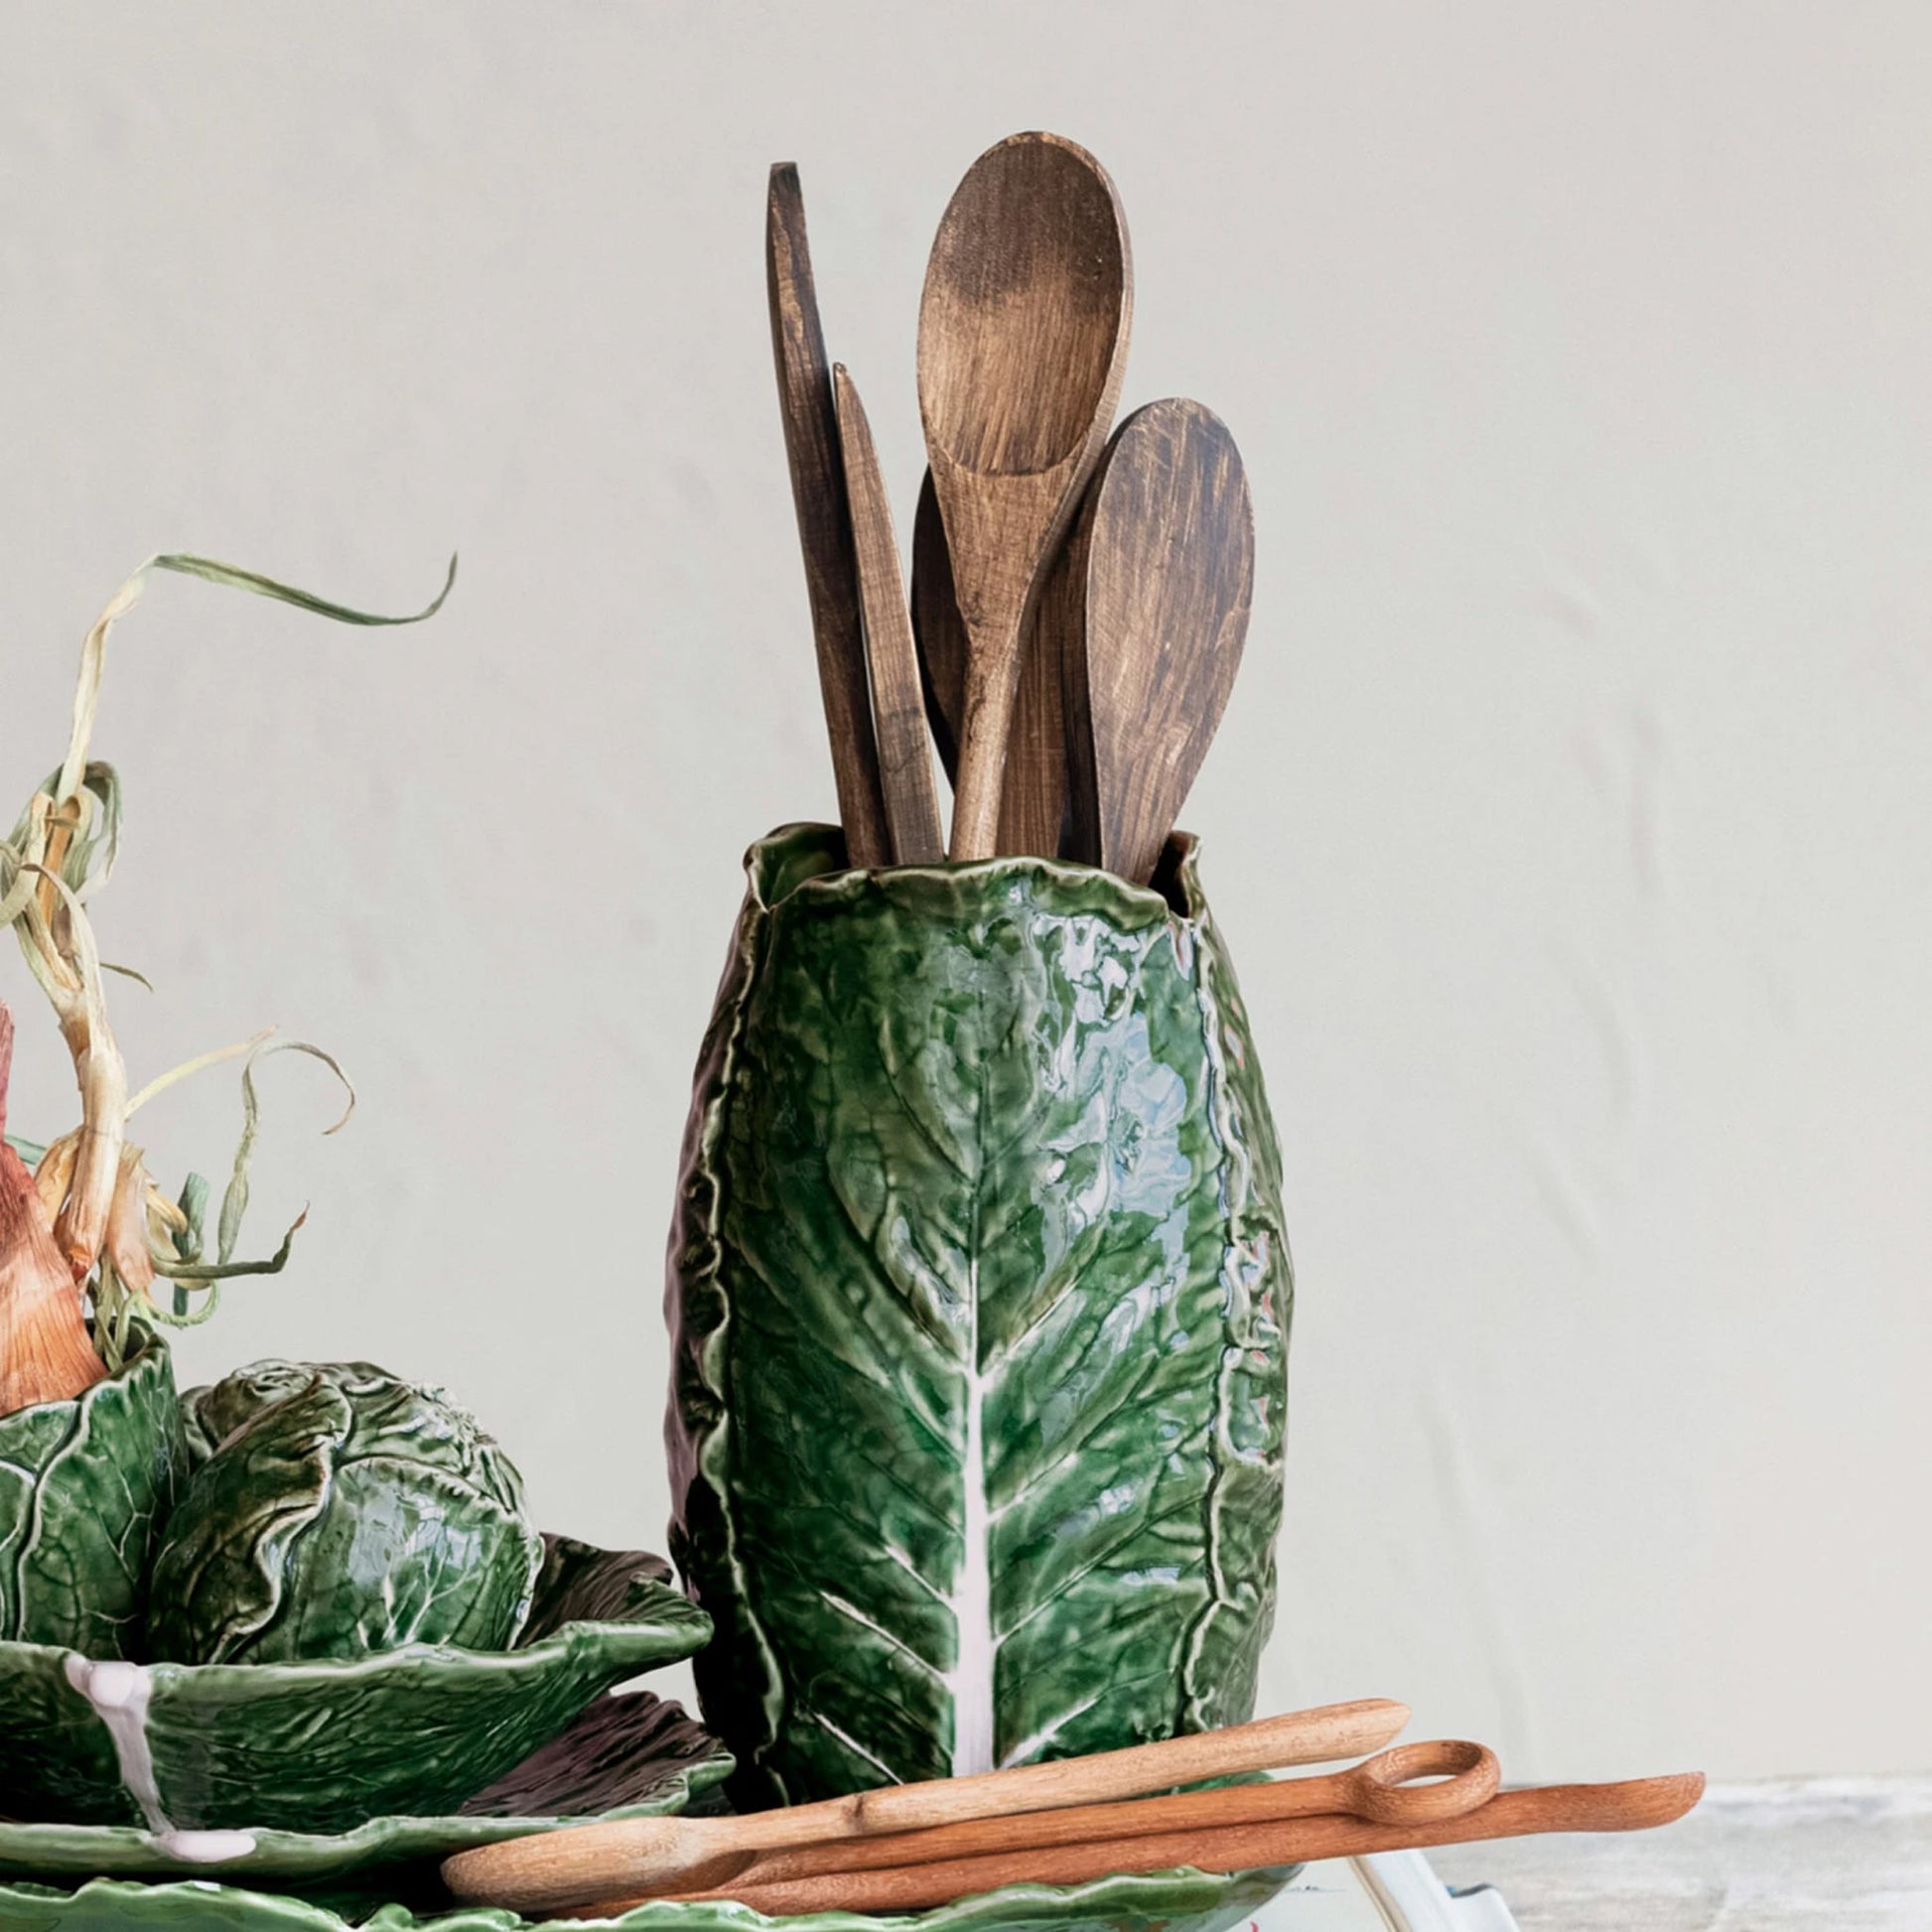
(627, 1756)
(323, 1748)
(1161, 1901)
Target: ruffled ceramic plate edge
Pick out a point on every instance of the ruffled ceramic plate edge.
(52, 1850)
(1158, 1901)
(658, 1625)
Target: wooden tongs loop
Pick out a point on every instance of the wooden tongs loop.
(640, 1855)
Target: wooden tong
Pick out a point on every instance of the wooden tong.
(633, 1854)
(1465, 1775)
(1638, 1804)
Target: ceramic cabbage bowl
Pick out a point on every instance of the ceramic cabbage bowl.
(196, 1749)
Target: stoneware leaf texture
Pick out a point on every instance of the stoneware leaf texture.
(83, 1488)
(338, 1511)
(1177, 1901)
(980, 1299)
(629, 1755)
(324, 1745)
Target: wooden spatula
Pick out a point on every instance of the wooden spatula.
(898, 709)
(824, 525)
(1161, 564)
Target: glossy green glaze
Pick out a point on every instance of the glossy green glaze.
(980, 1300)
(336, 1510)
(1174, 1901)
(628, 1756)
(83, 1487)
(325, 1745)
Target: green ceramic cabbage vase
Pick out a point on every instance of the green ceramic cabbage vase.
(979, 1296)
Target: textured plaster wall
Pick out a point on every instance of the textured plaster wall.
(1569, 823)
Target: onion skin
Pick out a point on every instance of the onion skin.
(46, 1353)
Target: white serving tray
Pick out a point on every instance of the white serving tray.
(1390, 1892)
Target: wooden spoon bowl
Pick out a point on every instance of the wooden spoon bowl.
(1023, 340)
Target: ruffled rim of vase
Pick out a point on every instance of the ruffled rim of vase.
(809, 859)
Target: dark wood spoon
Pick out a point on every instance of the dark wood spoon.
(1161, 564)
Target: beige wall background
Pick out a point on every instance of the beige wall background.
(1570, 822)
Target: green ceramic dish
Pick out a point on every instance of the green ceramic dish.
(628, 1755)
(980, 1301)
(83, 1488)
(1172, 1902)
(322, 1748)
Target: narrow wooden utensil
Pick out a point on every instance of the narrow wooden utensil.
(1033, 792)
(897, 708)
(1636, 1805)
(1162, 565)
(824, 525)
(1033, 789)
(629, 1854)
(1465, 1774)
(1022, 343)
(937, 630)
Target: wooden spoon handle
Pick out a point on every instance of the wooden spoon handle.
(1632, 1806)
(1469, 1774)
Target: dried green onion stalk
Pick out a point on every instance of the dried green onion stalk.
(92, 1208)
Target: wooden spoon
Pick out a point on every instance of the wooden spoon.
(1161, 564)
(1033, 795)
(898, 709)
(597, 1860)
(1636, 1805)
(824, 524)
(1022, 343)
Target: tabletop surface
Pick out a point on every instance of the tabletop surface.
(1850, 1853)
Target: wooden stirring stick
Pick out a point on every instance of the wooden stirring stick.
(824, 525)
(1466, 1776)
(1022, 343)
(897, 708)
(1636, 1805)
(599, 1861)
